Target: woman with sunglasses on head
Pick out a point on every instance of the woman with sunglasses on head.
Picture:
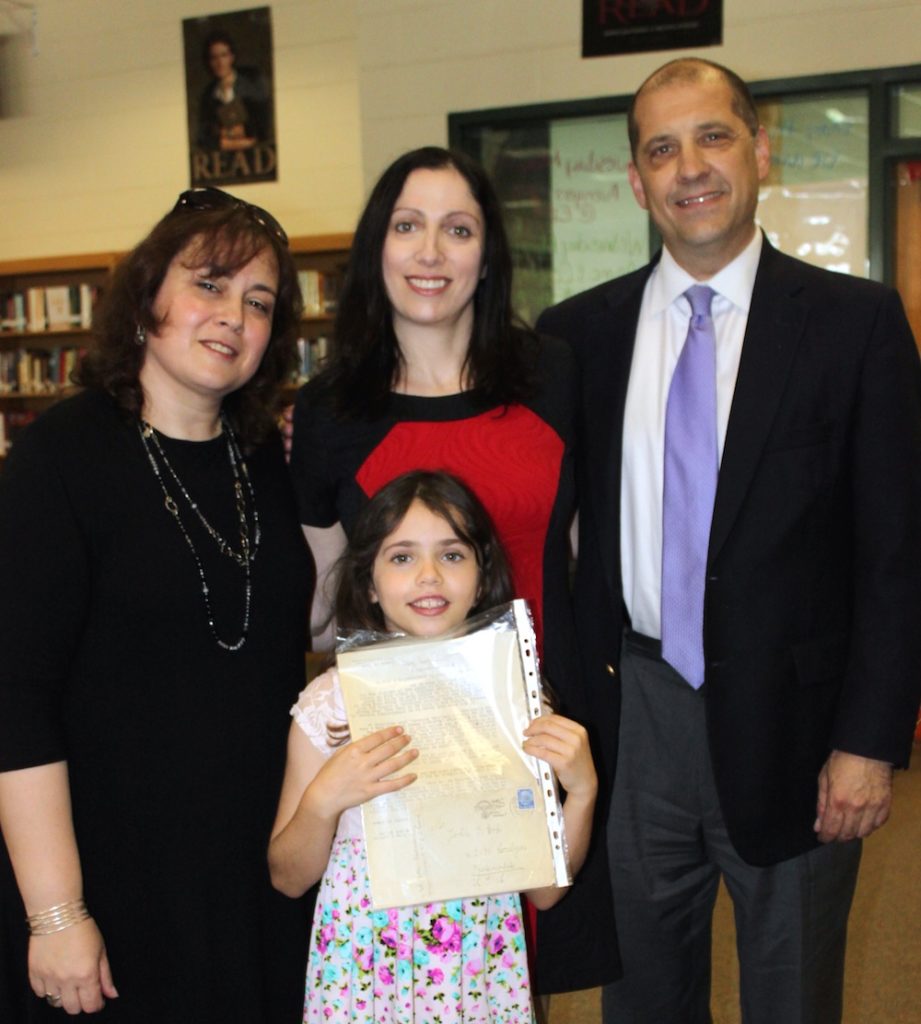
(153, 641)
(429, 370)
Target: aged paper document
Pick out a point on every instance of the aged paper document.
(482, 817)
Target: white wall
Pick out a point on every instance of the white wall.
(421, 59)
(93, 145)
(95, 148)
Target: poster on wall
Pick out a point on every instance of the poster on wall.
(635, 26)
(230, 98)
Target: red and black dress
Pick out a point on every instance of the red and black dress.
(518, 459)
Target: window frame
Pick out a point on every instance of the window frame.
(884, 147)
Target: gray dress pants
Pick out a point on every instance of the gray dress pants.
(668, 848)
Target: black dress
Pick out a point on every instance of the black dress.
(175, 747)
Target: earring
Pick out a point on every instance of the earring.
(140, 336)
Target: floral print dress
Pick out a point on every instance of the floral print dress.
(463, 960)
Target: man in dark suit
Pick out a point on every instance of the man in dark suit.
(755, 505)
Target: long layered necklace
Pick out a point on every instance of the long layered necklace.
(245, 500)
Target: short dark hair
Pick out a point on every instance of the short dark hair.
(693, 69)
(366, 356)
(223, 239)
(217, 36)
(446, 496)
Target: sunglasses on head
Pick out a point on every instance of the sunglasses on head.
(217, 199)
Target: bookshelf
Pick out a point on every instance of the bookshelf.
(321, 263)
(45, 317)
(38, 351)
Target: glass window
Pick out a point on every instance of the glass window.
(561, 173)
(907, 240)
(906, 107)
(569, 212)
(517, 160)
(814, 203)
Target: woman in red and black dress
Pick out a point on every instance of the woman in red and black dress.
(429, 371)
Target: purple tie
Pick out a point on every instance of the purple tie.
(691, 469)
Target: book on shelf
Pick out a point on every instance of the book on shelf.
(86, 300)
(12, 311)
(310, 291)
(37, 372)
(57, 307)
(64, 307)
(311, 355)
(8, 372)
(61, 365)
(329, 292)
(12, 422)
(36, 315)
(319, 291)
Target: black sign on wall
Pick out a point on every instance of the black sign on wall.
(634, 26)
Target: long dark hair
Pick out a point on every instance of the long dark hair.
(222, 238)
(447, 497)
(366, 356)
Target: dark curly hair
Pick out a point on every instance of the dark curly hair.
(223, 239)
(446, 496)
(366, 356)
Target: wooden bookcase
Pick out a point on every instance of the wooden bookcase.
(321, 261)
(34, 363)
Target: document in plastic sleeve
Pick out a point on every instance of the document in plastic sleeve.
(482, 817)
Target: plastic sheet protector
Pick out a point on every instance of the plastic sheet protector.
(482, 817)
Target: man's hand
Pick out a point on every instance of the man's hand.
(855, 795)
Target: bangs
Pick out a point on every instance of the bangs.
(229, 248)
(455, 518)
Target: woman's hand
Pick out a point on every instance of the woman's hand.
(360, 771)
(73, 965)
(563, 744)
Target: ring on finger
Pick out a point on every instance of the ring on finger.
(53, 1000)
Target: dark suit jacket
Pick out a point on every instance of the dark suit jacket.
(812, 618)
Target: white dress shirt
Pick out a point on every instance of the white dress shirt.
(660, 336)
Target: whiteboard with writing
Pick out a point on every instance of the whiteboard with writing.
(599, 231)
(814, 203)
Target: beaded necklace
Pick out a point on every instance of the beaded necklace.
(242, 487)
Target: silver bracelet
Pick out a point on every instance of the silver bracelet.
(58, 917)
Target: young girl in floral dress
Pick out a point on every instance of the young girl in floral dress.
(422, 558)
